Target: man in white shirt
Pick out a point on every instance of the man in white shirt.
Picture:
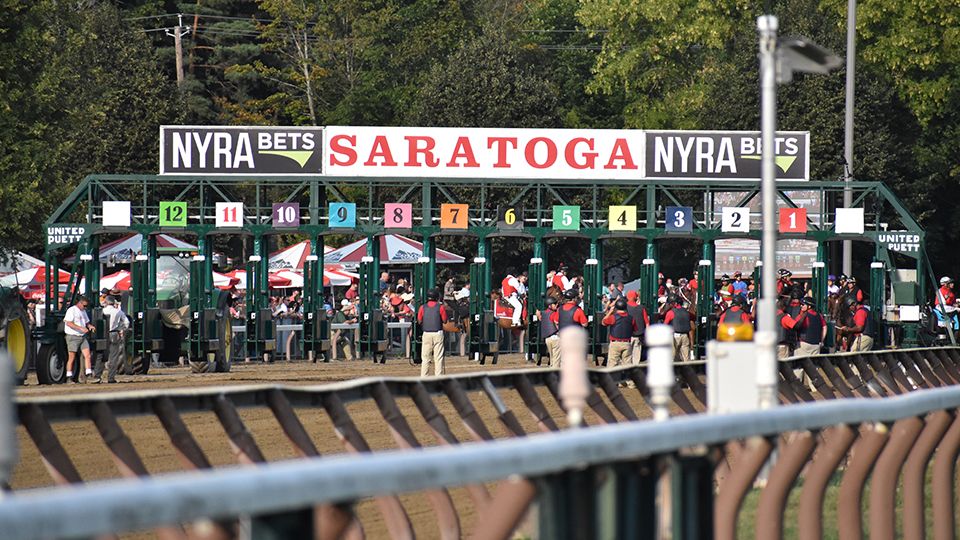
(117, 325)
(76, 327)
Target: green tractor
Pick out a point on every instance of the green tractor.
(15, 335)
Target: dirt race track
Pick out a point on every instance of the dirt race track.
(94, 461)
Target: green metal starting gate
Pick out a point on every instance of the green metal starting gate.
(532, 200)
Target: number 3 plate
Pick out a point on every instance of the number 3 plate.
(679, 219)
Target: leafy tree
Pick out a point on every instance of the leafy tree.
(79, 94)
(489, 82)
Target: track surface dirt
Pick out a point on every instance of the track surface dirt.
(94, 461)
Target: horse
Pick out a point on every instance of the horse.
(555, 292)
(459, 319)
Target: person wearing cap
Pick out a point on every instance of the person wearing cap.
(642, 318)
(735, 314)
(811, 329)
(852, 293)
(511, 288)
(739, 286)
(622, 326)
(562, 280)
(860, 336)
(832, 287)
(945, 294)
(344, 338)
(549, 332)
(723, 291)
(569, 313)
(786, 336)
(117, 326)
(784, 282)
(431, 317)
(681, 320)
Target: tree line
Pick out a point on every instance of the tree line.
(84, 84)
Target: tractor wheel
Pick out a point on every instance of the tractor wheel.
(139, 364)
(52, 364)
(19, 346)
(223, 358)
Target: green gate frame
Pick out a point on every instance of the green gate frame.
(883, 211)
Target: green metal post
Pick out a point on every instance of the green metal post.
(430, 254)
(693, 492)
(651, 268)
(820, 284)
(486, 273)
(151, 252)
(705, 284)
(757, 282)
(877, 296)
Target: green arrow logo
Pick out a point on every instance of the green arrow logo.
(300, 156)
(784, 162)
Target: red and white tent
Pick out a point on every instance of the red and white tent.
(394, 249)
(122, 281)
(293, 257)
(336, 275)
(273, 280)
(32, 279)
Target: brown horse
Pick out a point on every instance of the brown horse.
(459, 319)
(555, 292)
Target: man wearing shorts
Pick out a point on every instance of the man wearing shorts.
(76, 327)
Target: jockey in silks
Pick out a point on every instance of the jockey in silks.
(512, 287)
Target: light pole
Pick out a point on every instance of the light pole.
(778, 61)
(848, 125)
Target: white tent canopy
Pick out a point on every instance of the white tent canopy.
(17, 261)
(394, 249)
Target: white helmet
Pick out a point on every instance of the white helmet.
(945, 279)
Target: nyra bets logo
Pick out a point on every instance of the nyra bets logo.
(256, 151)
(723, 155)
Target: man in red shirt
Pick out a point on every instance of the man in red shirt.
(642, 318)
(945, 294)
(431, 317)
(785, 335)
(811, 327)
(784, 283)
(681, 320)
(569, 313)
(621, 329)
(861, 334)
(735, 314)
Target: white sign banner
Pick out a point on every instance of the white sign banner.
(483, 152)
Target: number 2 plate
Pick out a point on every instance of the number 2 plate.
(735, 219)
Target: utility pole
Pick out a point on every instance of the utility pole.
(177, 33)
(848, 125)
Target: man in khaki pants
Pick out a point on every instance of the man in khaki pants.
(549, 331)
(621, 328)
(680, 319)
(431, 317)
(861, 333)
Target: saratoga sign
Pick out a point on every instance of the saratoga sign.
(423, 152)
(483, 152)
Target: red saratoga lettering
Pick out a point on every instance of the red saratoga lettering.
(569, 153)
(620, 152)
(501, 144)
(463, 150)
(348, 151)
(414, 149)
(530, 148)
(380, 149)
